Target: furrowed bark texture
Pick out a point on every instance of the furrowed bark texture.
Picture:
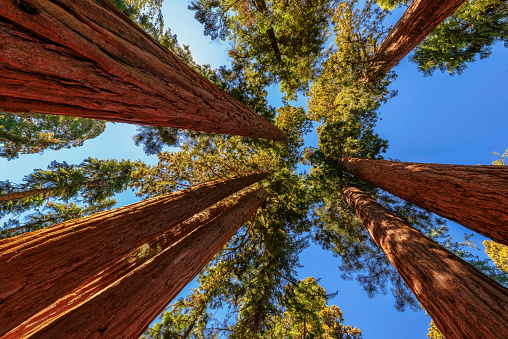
(463, 302)
(40, 267)
(88, 59)
(119, 269)
(24, 194)
(126, 307)
(474, 196)
(420, 19)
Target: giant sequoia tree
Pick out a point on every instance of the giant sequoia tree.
(121, 291)
(474, 196)
(81, 248)
(448, 288)
(468, 33)
(418, 21)
(104, 81)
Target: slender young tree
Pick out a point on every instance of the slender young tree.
(280, 40)
(88, 59)
(420, 19)
(473, 196)
(463, 302)
(122, 290)
(42, 266)
(54, 192)
(92, 180)
(35, 133)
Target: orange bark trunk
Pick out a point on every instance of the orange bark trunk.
(40, 267)
(87, 59)
(474, 196)
(127, 302)
(24, 194)
(463, 302)
(420, 19)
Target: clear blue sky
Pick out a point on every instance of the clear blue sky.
(439, 119)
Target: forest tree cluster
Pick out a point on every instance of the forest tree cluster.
(324, 51)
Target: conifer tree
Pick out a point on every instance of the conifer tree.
(34, 133)
(156, 271)
(450, 289)
(283, 39)
(469, 33)
(420, 19)
(474, 196)
(122, 73)
(80, 248)
(92, 183)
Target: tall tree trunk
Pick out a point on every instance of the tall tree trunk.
(463, 302)
(126, 307)
(420, 19)
(40, 267)
(88, 59)
(270, 32)
(474, 196)
(24, 194)
(189, 329)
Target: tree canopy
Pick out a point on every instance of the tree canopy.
(251, 288)
(279, 40)
(34, 133)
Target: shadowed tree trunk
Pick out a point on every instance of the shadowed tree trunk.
(125, 307)
(24, 194)
(463, 302)
(88, 59)
(420, 19)
(270, 32)
(473, 196)
(40, 267)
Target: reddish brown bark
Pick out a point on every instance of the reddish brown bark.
(40, 267)
(463, 302)
(420, 19)
(87, 59)
(24, 194)
(126, 306)
(474, 196)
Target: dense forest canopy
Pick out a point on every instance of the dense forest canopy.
(323, 51)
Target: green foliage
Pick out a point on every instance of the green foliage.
(342, 91)
(147, 13)
(502, 158)
(30, 133)
(434, 332)
(392, 4)
(90, 184)
(310, 316)
(280, 40)
(154, 138)
(51, 214)
(341, 97)
(469, 33)
(248, 277)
